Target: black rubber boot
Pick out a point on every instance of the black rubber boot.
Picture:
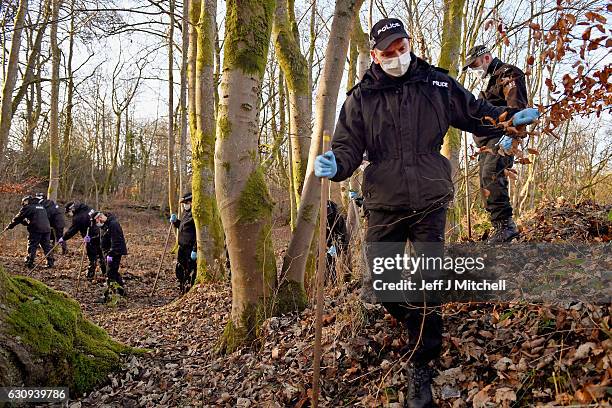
(91, 273)
(504, 231)
(419, 387)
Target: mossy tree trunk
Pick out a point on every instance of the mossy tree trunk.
(242, 194)
(449, 59)
(295, 67)
(54, 170)
(292, 294)
(46, 341)
(202, 117)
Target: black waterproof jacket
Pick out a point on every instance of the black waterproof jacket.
(34, 217)
(113, 241)
(506, 87)
(187, 230)
(401, 123)
(55, 213)
(82, 222)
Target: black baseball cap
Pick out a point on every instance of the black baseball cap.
(474, 53)
(385, 32)
(186, 198)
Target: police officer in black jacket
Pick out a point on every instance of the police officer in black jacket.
(114, 248)
(187, 252)
(399, 113)
(506, 87)
(34, 216)
(82, 223)
(56, 219)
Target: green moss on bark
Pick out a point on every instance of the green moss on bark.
(255, 203)
(291, 297)
(248, 24)
(236, 335)
(49, 326)
(225, 127)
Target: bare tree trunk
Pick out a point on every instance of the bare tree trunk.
(183, 187)
(204, 209)
(292, 294)
(33, 58)
(242, 194)
(11, 78)
(69, 96)
(54, 112)
(172, 201)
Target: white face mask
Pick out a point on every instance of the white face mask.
(396, 66)
(99, 224)
(479, 72)
(186, 207)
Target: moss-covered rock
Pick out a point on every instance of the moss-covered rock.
(46, 341)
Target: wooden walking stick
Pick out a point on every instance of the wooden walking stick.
(320, 277)
(162, 259)
(83, 245)
(467, 187)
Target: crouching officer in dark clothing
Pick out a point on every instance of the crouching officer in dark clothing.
(82, 223)
(187, 251)
(56, 219)
(506, 87)
(399, 113)
(34, 216)
(114, 247)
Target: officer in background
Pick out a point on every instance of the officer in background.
(506, 87)
(185, 268)
(114, 247)
(56, 219)
(82, 223)
(34, 216)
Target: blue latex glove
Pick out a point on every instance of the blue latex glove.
(352, 195)
(332, 251)
(194, 255)
(87, 239)
(525, 117)
(173, 218)
(505, 142)
(325, 165)
(109, 259)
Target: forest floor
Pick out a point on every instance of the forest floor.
(494, 355)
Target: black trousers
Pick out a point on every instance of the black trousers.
(112, 271)
(425, 230)
(95, 256)
(36, 239)
(492, 178)
(185, 268)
